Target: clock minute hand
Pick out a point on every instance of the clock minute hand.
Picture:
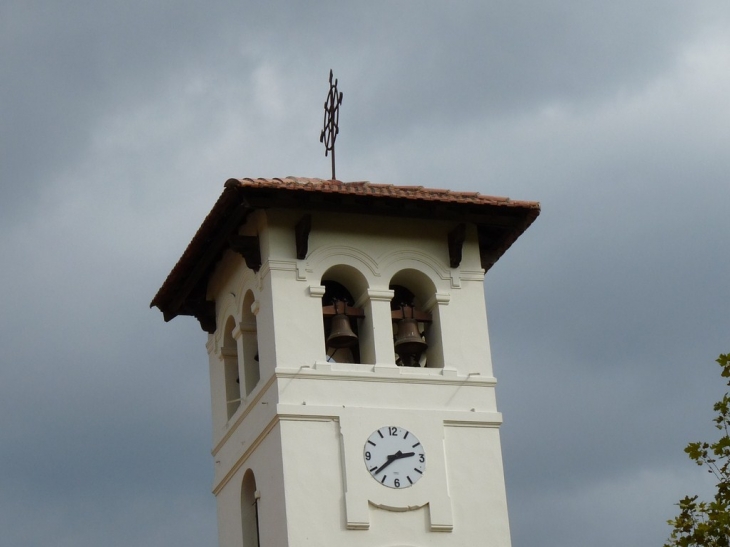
(390, 459)
(397, 456)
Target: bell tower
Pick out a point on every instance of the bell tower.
(351, 380)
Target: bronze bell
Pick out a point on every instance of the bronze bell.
(408, 342)
(341, 335)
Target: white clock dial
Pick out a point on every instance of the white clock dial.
(394, 457)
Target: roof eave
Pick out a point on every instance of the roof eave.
(499, 221)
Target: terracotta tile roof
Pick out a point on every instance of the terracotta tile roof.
(499, 221)
(365, 188)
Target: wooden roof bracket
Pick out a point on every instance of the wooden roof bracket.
(489, 253)
(456, 239)
(301, 233)
(204, 312)
(248, 247)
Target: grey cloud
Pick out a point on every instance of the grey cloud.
(121, 122)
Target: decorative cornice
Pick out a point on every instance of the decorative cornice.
(438, 299)
(317, 291)
(383, 373)
(380, 295)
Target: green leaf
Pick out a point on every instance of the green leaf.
(700, 523)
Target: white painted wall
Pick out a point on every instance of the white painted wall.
(302, 428)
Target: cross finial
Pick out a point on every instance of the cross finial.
(331, 121)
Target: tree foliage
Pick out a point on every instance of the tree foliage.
(707, 524)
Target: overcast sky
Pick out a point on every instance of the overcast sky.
(120, 122)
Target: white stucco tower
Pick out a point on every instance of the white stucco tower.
(351, 380)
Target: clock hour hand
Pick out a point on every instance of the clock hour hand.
(390, 459)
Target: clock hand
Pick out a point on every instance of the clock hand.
(397, 456)
(390, 459)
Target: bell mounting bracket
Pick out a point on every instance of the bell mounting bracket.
(409, 312)
(340, 307)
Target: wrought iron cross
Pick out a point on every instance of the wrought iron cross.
(331, 121)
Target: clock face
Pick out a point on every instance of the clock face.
(394, 457)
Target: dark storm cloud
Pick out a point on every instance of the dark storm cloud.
(120, 123)
(440, 63)
(66, 64)
(72, 61)
(605, 361)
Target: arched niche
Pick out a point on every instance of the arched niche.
(229, 354)
(346, 284)
(250, 510)
(249, 344)
(416, 289)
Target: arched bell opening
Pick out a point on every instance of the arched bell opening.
(343, 321)
(229, 354)
(416, 332)
(250, 345)
(340, 324)
(250, 510)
